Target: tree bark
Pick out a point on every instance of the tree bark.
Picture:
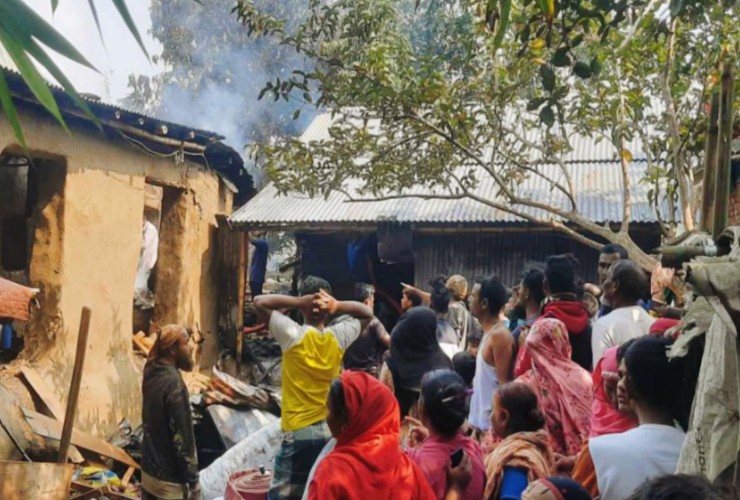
(679, 167)
(724, 151)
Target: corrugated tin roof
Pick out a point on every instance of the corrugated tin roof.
(595, 172)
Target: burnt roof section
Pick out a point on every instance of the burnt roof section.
(116, 121)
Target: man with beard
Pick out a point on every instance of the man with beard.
(169, 466)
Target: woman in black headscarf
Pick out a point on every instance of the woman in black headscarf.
(414, 352)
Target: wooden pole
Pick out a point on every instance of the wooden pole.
(710, 167)
(242, 294)
(724, 150)
(74, 386)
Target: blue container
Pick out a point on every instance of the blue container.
(7, 338)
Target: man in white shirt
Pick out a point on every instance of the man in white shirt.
(649, 386)
(625, 285)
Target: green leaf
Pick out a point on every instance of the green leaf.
(595, 66)
(16, 16)
(576, 41)
(676, 7)
(536, 103)
(95, 17)
(548, 77)
(7, 102)
(503, 24)
(31, 75)
(296, 114)
(126, 16)
(38, 53)
(561, 58)
(560, 92)
(582, 69)
(547, 116)
(262, 94)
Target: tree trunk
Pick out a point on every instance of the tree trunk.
(724, 152)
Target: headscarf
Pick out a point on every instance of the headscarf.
(564, 389)
(530, 451)
(367, 461)
(606, 419)
(167, 337)
(565, 488)
(414, 352)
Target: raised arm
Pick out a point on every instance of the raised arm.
(426, 297)
(325, 302)
(265, 304)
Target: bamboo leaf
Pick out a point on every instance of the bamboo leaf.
(126, 16)
(43, 58)
(17, 16)
(10, 113)
(94, 11)
(54, 5)
(31, 75)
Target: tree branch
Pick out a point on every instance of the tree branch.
(626, 195)
(558, 160)
(678, 163)
(635, 27)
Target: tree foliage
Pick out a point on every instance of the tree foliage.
(495, 88)
(213, 70)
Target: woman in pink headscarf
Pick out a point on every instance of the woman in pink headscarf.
(606, 418)
(565, 390)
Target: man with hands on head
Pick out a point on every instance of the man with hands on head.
(312, 358)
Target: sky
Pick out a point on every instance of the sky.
(116, 57)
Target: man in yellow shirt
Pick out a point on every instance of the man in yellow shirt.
(312, 358)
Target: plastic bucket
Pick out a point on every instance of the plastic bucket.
(248, 485)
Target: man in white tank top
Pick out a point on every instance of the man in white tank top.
(494, 359)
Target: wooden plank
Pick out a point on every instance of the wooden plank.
(74, 386)
(50, 428)
(47, 397)
(43, 391)
(127, 477)
(241, 284)
(25, 480)
(139, 344)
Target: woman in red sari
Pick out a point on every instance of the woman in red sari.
(367, 461)
(563, 388)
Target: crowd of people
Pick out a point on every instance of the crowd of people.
(555, 389)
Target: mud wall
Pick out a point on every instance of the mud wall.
(92, 226)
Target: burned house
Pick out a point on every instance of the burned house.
(72, 208)
(412, 240)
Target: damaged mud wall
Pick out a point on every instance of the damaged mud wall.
(86, 250)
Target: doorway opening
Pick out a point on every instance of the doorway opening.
(161, 266)
(31, 209)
